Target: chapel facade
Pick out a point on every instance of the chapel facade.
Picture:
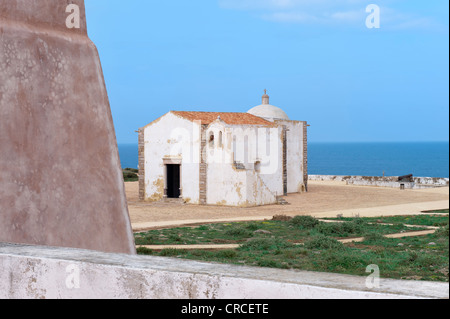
(221, 158)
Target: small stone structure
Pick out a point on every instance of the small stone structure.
(61, 182)
(219, 158)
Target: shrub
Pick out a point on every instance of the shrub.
(323, 242)
(281, 218)
(340, 229)
(331, 229)
(170, 252)
(269, 263)
(373, 237)
(426, 260)
(344, 260)
(174, 237)
(130, 174)
(200, 253)
(265, 244)
(353, 227)
(238, 232)
(359, 221)
(412, 256)
(144, 251)
(228, 253)
(252, 226)
(304, 222)
(144, 240)
(442, 232)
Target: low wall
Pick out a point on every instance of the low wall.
(387, 181)
(46, 272)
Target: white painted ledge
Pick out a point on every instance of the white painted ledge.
(46, 272)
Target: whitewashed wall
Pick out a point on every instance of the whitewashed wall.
(230, 187)
(28, 272)
(172, 137)
(295, 182)
(227, 185)
(272, 160)
(257, 191)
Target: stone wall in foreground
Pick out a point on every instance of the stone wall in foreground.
(61, 181)
(45, 272)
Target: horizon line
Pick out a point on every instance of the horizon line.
(341, 142)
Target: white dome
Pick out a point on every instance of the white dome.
(268, 111)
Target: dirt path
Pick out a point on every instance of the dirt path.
(398, 235)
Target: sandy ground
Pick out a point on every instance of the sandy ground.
(324, 199)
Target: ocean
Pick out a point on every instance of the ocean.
(374, 159)
(368, 159)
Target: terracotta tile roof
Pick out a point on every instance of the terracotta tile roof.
(229, 118)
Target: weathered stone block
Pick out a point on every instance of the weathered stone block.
(60, 178)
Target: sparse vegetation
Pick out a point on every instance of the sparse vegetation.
(307, 244)
(373, 237)
(304, 222)
(323, 242)
(282, 218)
(430, 219)
(443, 232)
(130, 175)
(344, 229)
(266, 244)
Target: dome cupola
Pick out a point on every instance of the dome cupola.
(267, 111)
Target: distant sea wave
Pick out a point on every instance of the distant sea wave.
(367, 159)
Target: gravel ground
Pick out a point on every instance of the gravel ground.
(324, 199)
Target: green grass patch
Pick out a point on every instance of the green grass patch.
(304, 222)
(275, 244)
(130, 175)
(430, 219)
(296, 230)
(323, 242)
(265, 244)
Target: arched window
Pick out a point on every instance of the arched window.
(211, 139)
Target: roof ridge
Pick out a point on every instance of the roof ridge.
(231, 118)
(211, 112)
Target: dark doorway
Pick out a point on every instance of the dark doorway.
(173, 181)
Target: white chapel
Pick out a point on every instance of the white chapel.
(220, 158)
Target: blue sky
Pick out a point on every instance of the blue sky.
(317, 59)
